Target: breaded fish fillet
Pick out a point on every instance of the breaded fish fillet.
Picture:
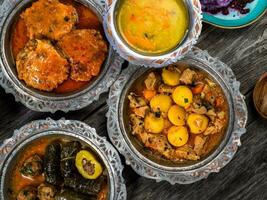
(50, 19)
(86, 50)
(41, 66)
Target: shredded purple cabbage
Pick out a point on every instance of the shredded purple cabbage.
(223, 6)
(211, 4)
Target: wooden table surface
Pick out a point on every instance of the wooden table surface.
(244, 178)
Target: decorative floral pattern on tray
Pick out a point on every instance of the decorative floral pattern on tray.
(187, 176)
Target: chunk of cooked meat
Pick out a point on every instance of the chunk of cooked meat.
(195, 108)
(215, 127)
(199, 143)
(33, 166)
(151, 81)
(135, 101)
(46, 192)
(186, 152)
(141, 111)
(27, 193)
(41, 66)
(211, 114)
(137, 124)
(187, 76)
(159, 143)
(165, 89)
(50, 19)
(86, 50)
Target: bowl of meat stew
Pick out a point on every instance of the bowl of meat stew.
(179, 115)
(54, 53)
(178, 123)
(59, 163)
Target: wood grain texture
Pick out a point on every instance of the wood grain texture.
(244, 178)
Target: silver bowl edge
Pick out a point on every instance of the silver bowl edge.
(187, 174)
(48, 102)
(69, 128)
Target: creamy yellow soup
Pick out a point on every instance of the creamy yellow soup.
(152, 26)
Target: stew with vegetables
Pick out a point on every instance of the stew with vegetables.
(178, 113)
(55, 169)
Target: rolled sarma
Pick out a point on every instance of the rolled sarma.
(52, 164)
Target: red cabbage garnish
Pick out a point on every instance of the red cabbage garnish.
(215, 3)
(217, 6)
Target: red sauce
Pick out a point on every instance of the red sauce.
(87, 20)
(70, 86)
(19, 37)
(18, 181)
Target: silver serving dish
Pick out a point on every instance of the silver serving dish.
(137, 58)
(148, 165)
(67, 129)
(44, 101)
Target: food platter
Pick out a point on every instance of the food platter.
(188, 174)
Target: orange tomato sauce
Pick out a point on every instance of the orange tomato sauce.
(87, 20)
(19, 181)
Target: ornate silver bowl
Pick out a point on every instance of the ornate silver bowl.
(67, 129)
(150, 166)
(137, 58)
(43, 101)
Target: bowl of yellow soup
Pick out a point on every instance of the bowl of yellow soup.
(153, 33)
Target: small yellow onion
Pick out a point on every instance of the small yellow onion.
(178, 136)
(197, 123)
(171, 77)
(161, 102)
(176, 115)
(182, 96)
(154, 123)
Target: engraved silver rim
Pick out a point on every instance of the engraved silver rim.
(194, 8)
(176, 174)
(74, 129)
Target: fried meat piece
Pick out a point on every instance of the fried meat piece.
(27, 193)
(50, 19)
(41, 66)
(46, 192)
(186, 152)
(86, 50)
(32, 166)
(187, 76)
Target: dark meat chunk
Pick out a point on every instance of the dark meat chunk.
(85, 186)
(68, 153)
(41, 66)
(52, 163)
(33, 166)
(86, 49)
(50, 19)
(27, 193)
(46, 192)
